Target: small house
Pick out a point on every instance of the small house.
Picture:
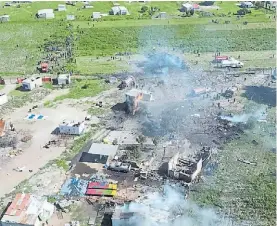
(27, 210)
(72, 128)
(61, 7)
(3, 98)
(4, 18)
(186, 7)
(46, 13)
(96, 15)
(99, 154)
(119, 10)
(63, 79)
(162, 15)
(246, 5)
(31, 83)
(70, 17)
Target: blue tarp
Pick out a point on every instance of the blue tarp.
(74, 187)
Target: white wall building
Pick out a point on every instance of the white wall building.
(72, 128)
(46, 13)
(31, 83)
(61, 7)
(63, 79)
(70, 17)
(27, 210)
(3, 98)
(96, 15)
(4, 18)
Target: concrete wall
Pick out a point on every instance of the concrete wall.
(3, 99)
(198, 169)
(30, 85)
(72, 130)
(172, 165)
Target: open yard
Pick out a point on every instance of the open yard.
(83, 88)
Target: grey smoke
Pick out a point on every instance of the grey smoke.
(171, 209)
(244, 118)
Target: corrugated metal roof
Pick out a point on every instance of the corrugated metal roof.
(24, 209)
(102, 185)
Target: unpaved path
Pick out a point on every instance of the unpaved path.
(35, 157)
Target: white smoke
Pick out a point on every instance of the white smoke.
(171, 209)
(258, 115)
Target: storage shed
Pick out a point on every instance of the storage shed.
(46, 13)
(61, 7)
(63, 79)
(31, 83)
(4, 18)
(96, 15)
(119, 10)
(72, 128)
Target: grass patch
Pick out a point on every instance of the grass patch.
(89, 65)
(83, 88)
(21, 57)
(185, 37)
(48, 85)
(18, 93)
(48, 104)
(248, 191)
(62, 164)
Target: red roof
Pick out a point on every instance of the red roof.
(221, 57)
(195, 6)
(19, 204)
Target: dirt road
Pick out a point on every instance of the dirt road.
(35, 157)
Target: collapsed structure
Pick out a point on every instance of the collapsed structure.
(187, 169)
(135, 98)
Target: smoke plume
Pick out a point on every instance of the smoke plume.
(171, 209)
(244, 118)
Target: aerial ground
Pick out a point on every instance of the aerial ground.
(237, 184)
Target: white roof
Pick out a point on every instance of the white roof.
(42, 11)
(187, 5)
(135, 92)
(63, 76)
(71, 123)
(103, 149)
(5, 16)
(96, 15)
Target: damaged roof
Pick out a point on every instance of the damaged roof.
(24, 209)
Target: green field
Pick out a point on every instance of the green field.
(83, 88)
(134, 33)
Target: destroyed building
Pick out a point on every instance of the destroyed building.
(187, 169)
(27, 209)
(124, 217)
(135, 98)
(125, 139)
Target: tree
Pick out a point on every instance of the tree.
(144, 9)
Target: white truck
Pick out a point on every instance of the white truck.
(231, 62)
